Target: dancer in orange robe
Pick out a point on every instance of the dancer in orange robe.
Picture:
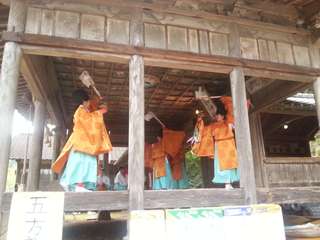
(168, 167)
(225, 153)
(78, 159)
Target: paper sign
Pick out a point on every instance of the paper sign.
(36, 216)
(263, 222)
(146, 225)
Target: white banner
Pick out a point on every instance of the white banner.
(36, 216)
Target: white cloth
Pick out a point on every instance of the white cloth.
(120, 179)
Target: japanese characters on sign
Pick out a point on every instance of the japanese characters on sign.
(36, 216)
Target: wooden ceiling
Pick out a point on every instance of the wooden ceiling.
(171, 98)
(300, 127)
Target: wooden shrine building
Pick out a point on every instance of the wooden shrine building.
(151, 55)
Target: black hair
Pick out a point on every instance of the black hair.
(159, 133)
(79, 96)
(220, 108)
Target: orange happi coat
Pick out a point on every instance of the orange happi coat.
(158, 159)
(176, 165)
(148, 155)
(218, 134)
(225, 145)
(170, 145)
(89, 136)
(224, 138)
(173, 146)
(205, 145)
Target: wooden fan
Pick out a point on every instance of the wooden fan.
(87, 80)
(151, 115)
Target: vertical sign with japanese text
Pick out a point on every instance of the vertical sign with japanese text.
(36, 216)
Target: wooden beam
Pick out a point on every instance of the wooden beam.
(168, 9)
(8, 89)
(17, 16)
(33, 179)
(56, 46)
(192, 198)
(243, 138)
(310, 10)
(275, 93)
(136, 132)
(40, 76)
(294, 112)
(292, 160)
(289, 195)
(316, 89)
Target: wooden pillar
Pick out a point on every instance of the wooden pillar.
(56, 150)
(17, 16)
(136, 116)
(19, 171)
(243, 139)
(36, 146)
(136, 132)
(258, 149)
(8, 90)
(316, 89)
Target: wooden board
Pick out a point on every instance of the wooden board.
(92, 27)
(47, 22)
(219, 44)
(33, 21)
(118, 31)
(249, 48)
(67, 24)
(155, 36)
(285, 53)
(301, 56)
(111, 200)
(263, 50)
(177, 38)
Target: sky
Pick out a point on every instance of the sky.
(20, 124)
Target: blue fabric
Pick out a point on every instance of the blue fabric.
(81, 168)
(226, 176)
(183, 183)
(120, 187)
(165, 182)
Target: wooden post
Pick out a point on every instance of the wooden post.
(258, 149)
(8, 90)
(136, 132)
(36, 146)
(56, 151)
(243, 139)
(316, 89)
(17, 16)
(136, 116)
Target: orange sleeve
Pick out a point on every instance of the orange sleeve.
(227, 102)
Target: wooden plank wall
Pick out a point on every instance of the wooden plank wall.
(174, 32)
(293, 174)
